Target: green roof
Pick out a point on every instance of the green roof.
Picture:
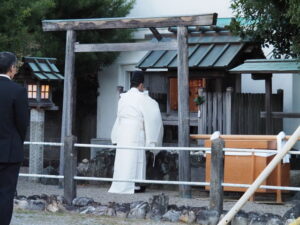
(268, 66)
(43, 68)
(206, 50)
(222, 22)
(209, 50)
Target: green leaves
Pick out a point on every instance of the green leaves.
(275, 22)
(199, 100)
(21, 32)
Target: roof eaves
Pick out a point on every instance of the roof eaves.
(221, 53)
(205, 54)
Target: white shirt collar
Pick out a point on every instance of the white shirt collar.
(4, 75)
(136, 90)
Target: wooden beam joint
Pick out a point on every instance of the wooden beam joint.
(156, 33)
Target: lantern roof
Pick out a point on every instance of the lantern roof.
(43, 68)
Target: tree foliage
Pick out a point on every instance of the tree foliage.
(21, 32)
(270, 22)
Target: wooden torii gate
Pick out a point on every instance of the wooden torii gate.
(71, 26)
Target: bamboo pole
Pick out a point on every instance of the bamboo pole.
(264, 174)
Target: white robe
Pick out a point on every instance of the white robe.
(138, 123)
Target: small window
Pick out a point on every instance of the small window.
(32, 91)
(45, 91)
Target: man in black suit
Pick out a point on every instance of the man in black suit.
(14, 119)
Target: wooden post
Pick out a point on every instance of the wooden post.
(202, 124)
(268, 104)
(68, 98)
(220, 111)
(216, 175)
(228, 100)
(214, 112)
(168, 111)
(200, 118)
(70, 169)
(238, 83)
(183, 111)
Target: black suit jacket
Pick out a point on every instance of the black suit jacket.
(14, 119)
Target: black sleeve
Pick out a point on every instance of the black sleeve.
(21, 112)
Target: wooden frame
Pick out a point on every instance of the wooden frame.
(181, 22)
(125, 22)
(124, 47)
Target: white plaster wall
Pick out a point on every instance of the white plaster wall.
(106, 107)
(295, 105)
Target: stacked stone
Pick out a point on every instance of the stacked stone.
(157, 209)
(164, 167)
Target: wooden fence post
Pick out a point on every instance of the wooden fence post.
(202, 116)
(268, 104)
(216, 173)
(228, 109)
(70, 155)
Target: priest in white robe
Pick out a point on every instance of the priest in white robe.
(139, 124)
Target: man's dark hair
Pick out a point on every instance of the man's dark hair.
(7, 59)
(137, 78)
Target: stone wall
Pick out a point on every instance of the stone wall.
(164, 167)
(157, 209)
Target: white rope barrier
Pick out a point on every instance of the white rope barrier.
(143, 181)
(195, 150)
(161, 148)
(141, 148)
(41, 175)
(43, 143)
(160, 182)
(284, 188)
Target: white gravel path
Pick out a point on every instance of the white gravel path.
(42, 218)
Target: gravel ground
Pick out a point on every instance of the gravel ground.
(99, 194)
(42, 218)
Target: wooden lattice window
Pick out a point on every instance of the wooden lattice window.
(32, 90)
(45, 90)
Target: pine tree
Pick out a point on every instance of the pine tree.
(21, 32)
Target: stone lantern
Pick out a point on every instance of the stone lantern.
(39, 75)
